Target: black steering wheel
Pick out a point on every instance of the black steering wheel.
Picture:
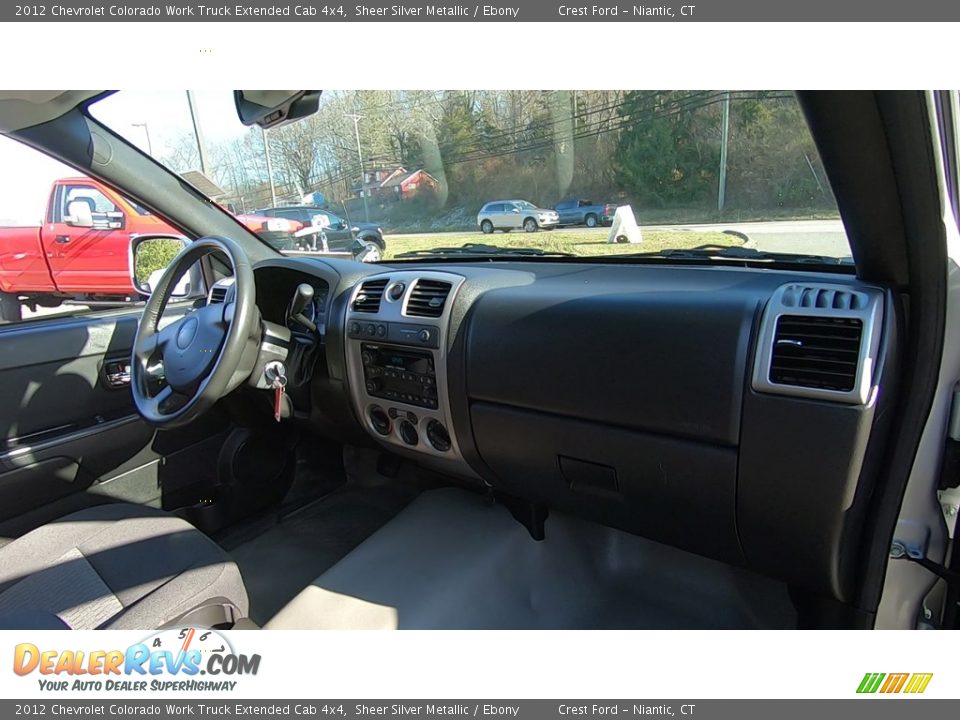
(206, 353)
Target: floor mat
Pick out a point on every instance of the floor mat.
(280, 555)
(451, 560)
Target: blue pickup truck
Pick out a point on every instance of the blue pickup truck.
(577, 211)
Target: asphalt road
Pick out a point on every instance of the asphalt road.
(816, 237)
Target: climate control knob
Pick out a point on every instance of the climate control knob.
(379, 420)
(438, 436)
(408, 433)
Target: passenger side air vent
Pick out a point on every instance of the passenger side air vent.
(821, 341)
(368, 299)
(811, 296)
(816, 352)
(428, 298)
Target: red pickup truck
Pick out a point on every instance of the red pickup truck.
(81, 252)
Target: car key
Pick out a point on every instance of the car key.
(276, 373)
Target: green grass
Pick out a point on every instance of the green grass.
(580, 241)
(154, 255)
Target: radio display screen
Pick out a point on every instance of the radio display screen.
(405, 361)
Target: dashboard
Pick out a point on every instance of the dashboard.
(709, 408)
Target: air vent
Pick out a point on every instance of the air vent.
(811, 296)
(428, 298)
(368, 299)
(816, 352)
(218, 294)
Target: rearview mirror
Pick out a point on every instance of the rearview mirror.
(79, 214)
(150, 255)
(273, 108)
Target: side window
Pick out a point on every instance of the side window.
(56, 264)
(98, 202)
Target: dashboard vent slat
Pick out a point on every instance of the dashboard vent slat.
(816, 352)
(370, 295)
(218, 294)
(428, 298)
(812, 296)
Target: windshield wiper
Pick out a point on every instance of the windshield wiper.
(727, 252)
(482, 250)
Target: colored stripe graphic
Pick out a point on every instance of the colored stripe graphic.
(870, 682)
(918, 682)
(894, 683)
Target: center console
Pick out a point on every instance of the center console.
(397, 325)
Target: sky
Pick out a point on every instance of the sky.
(27, 174)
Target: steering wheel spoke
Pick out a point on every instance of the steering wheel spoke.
(156, 403)
(153, 345)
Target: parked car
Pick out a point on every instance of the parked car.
(82, 250)
(510, 215)
(338, 231)
(578, 211)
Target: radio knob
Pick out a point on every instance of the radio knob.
(424, 335)
(367, 357)
(373, 386)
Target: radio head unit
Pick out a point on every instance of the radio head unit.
(400, 374)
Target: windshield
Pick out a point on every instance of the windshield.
(599, 172)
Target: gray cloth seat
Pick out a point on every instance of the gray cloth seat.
(117, 566)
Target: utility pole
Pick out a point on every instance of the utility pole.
(725, 137)
(197, 132)
(363, 191)
(266, 151)
(146, 130)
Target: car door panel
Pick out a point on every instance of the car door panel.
(87, 260)
(67, 440)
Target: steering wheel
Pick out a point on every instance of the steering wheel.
(206, 353)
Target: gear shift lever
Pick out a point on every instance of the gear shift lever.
(302, 297)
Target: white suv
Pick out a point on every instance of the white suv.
(510, 215)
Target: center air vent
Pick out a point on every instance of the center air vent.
(428, 298)
(816, 352)
(368, 299)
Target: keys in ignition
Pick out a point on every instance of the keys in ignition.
(276, 374)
